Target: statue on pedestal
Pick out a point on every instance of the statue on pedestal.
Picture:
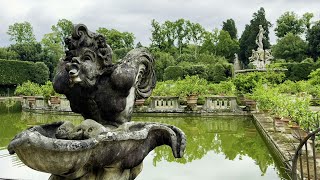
(260, 57)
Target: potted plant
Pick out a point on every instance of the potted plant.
(191, 87)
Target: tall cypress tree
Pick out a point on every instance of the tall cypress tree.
(248, 37)
(230, 27)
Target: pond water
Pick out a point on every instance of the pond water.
(217, 148)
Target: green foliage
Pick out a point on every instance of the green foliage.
(41, 73)
(299, 71)
(226, 46)
(173, 73)
(165, 88)
(186, 58)
(162, 61)
(31, 51)
(61, 30)
(223, 88)
(33, 89)
(28, 89)
(16, 72)
(245, 83)
(21, 33)
(120, 53)
(289, 22)
(191, 85)
(248, 37)
(230, 27)
(315, 77)
(313, 37)
(290, 47)
(117, 39)
(199, 70)
(6, 53)
(47, 90)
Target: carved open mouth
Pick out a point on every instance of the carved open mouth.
(73, 70)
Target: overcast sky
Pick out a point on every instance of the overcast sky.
(135, 15)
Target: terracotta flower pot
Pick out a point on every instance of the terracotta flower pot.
(192, 99)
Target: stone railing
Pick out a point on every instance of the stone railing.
(220, 103)
(40, 103)
(164, 103)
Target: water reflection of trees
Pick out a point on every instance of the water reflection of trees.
(234, 137)
(13, 123)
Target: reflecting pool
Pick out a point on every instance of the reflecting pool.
(217, 148)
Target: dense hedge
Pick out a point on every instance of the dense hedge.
(14, 72)
(299, 71)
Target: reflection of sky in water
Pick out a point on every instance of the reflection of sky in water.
(211, 166)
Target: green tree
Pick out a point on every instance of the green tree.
(117, 39)
(6, 53)
(196, 34)
(306, 18)
(157, 36)
(163, 60)
(181, 32)
(210, 39)
(313, 38)
(248, 37)
(52, 44)
(61, 30)
(226, 46)
(290, 47)
(230, 27)
(289, 22)
(31, 51)
(21, 33)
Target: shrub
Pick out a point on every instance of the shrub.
(193, 70)
(173, 73)
(28, 89)
(191, 85)
(245, 83)
(162, 61)
(223, 88)
(186, 58)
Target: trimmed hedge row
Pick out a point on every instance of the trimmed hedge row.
(13, 72)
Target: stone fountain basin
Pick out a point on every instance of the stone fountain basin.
(124, 147)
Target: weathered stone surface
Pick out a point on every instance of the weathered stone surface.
(123, 148)
(106, 146)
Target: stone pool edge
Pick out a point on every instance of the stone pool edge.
(260, 121)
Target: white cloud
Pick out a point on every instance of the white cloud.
(135, 16)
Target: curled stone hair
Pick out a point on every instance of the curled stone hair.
(82, 40)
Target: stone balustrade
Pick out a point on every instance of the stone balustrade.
(40, 103)
(220, 103)
(164, 103)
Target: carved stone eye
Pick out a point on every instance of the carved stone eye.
(87, 58)
(90, 129)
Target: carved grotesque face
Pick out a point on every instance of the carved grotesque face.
(83, 68)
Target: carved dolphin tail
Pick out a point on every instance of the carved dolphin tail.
(142, 61)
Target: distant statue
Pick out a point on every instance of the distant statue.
(236, 62)
(260, 37)
(260, 57)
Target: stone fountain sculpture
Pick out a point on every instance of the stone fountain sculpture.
(106, 145)
(260, 57)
